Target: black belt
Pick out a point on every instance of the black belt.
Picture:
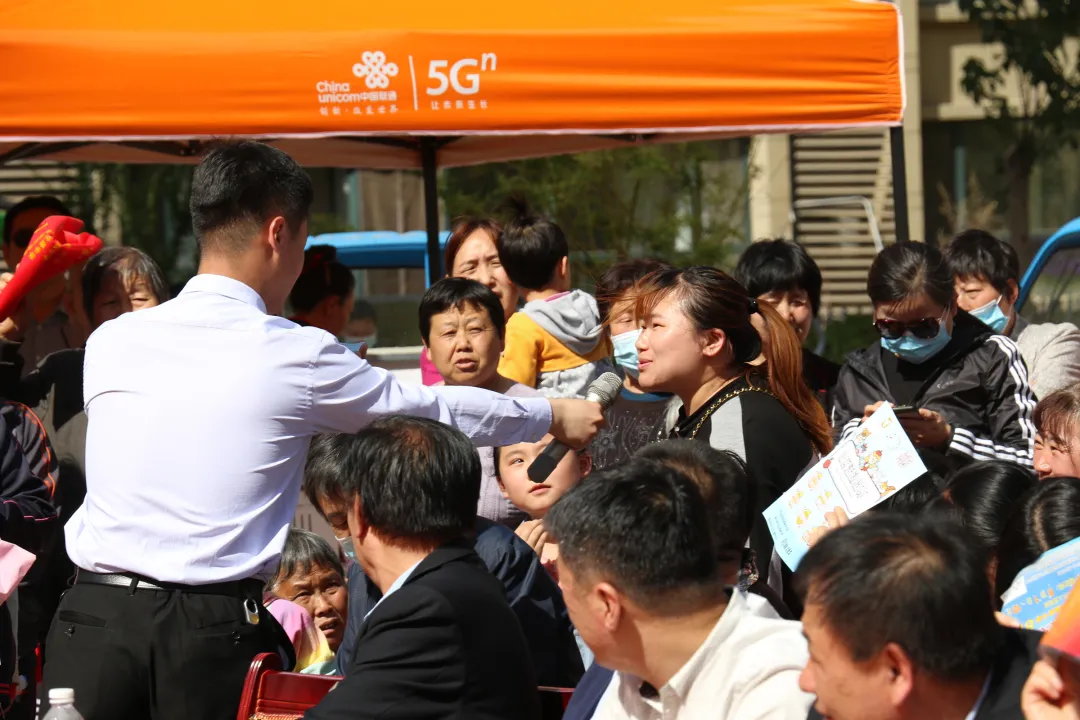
(243, 589)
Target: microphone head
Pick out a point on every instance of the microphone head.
(604, 389)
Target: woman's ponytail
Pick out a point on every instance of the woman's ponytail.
(713, 299)
(783, 359)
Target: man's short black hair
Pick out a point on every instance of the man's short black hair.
(303, 553)
(978, 254)
(37, 202)
(418, 480)
(779, 265)
(239, 186)
(915, 581)
(620, 277)
(454, 294)
(724, 484)
(323, 471)
(131, 264)
(643, 527)
(531, 248)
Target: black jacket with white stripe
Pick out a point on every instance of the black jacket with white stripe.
(981, 389)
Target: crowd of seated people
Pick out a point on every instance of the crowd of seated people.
(641, 573)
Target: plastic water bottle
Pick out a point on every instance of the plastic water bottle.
(62, 705)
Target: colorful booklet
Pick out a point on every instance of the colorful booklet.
(1063, 637)
(1038, 593)
(866, 468)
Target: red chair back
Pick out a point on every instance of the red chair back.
(557, 697)
(270, 694)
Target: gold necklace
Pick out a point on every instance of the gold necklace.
(723, 399)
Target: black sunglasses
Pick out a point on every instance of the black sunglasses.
(923, 329)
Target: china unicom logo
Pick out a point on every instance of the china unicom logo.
(375, 70)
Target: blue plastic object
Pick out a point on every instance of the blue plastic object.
(381, 249)
(1066, 238)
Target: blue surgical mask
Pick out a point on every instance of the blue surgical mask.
(991, 315)
(917, 350)
(625, 345)
(347, 547)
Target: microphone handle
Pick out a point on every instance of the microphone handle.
(546, 462)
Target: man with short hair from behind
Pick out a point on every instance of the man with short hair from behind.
(900, 624)
(728, 495)
(639, 571)
(987, 272)
(533, 595)
(442, 642)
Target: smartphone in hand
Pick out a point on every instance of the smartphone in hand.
(909, 411)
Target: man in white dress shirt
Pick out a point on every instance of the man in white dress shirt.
(640, 573)
(200, 413)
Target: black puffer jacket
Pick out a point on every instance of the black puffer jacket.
(981, 389)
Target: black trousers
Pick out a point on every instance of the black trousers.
(155, 654)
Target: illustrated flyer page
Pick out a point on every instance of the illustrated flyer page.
(861, 471)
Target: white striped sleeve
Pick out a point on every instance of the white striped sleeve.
(1010, 417)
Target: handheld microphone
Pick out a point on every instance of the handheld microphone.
(604, 390)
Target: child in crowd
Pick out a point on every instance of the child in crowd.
(556, 343)
(781, 273)
(637, 417)
(535, 499)
(987, 274)
(1057, 434)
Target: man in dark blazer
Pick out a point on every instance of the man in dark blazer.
(900, 625)
(532, 593)
(442, 642)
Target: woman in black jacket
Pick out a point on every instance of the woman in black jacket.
(970, 386)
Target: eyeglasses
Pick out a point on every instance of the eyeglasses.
(923, 329)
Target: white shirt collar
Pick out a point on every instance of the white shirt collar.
(681, 682)
(226, 286)
(982, 696)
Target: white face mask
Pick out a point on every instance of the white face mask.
(347, 547)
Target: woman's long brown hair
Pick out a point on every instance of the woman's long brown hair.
(712, 299)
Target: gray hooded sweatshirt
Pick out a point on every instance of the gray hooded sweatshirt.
(574, 321)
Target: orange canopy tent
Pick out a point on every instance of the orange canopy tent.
(427, 85)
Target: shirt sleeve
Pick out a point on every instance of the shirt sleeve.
(775, 696)
(1008, 412)
(347, 393)
(521, 353)
(845, 420)
(1057, 364)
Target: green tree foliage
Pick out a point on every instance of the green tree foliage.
(684, 202)
(147, 206)
(1034, 47)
